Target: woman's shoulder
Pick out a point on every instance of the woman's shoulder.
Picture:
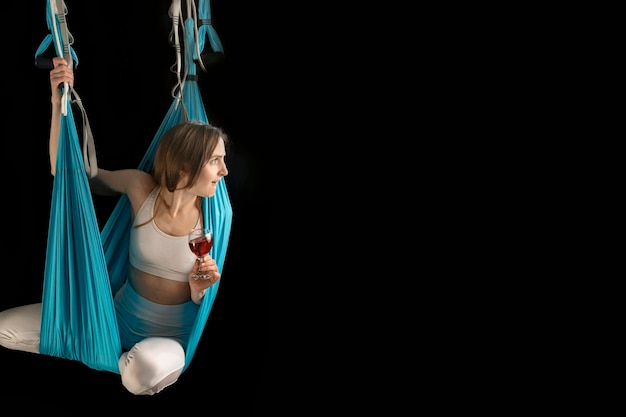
(141, 188)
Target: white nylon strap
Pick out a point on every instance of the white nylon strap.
(175, 14)
(58, 10)
(179, 25)
(89, 149)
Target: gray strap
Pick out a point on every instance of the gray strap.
(65, 34)
(89, 147)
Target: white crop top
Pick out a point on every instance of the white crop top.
(155, 252)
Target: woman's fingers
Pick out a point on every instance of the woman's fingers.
(58, 60)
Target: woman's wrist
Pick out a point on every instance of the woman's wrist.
(197, 296)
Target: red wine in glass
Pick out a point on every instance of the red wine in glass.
(200, 243)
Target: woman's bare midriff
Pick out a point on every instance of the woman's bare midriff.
(159, 290)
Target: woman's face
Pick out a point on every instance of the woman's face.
(211, 173)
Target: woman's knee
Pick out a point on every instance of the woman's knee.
(151, 365)
(20, 328)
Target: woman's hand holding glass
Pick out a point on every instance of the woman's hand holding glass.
(200, 243)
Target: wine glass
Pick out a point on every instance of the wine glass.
(200, 243)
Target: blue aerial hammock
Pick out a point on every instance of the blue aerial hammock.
(84, 266)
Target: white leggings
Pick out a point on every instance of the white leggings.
(149, 366)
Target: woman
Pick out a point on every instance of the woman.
(157, 305)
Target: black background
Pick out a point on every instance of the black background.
(124, 81)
